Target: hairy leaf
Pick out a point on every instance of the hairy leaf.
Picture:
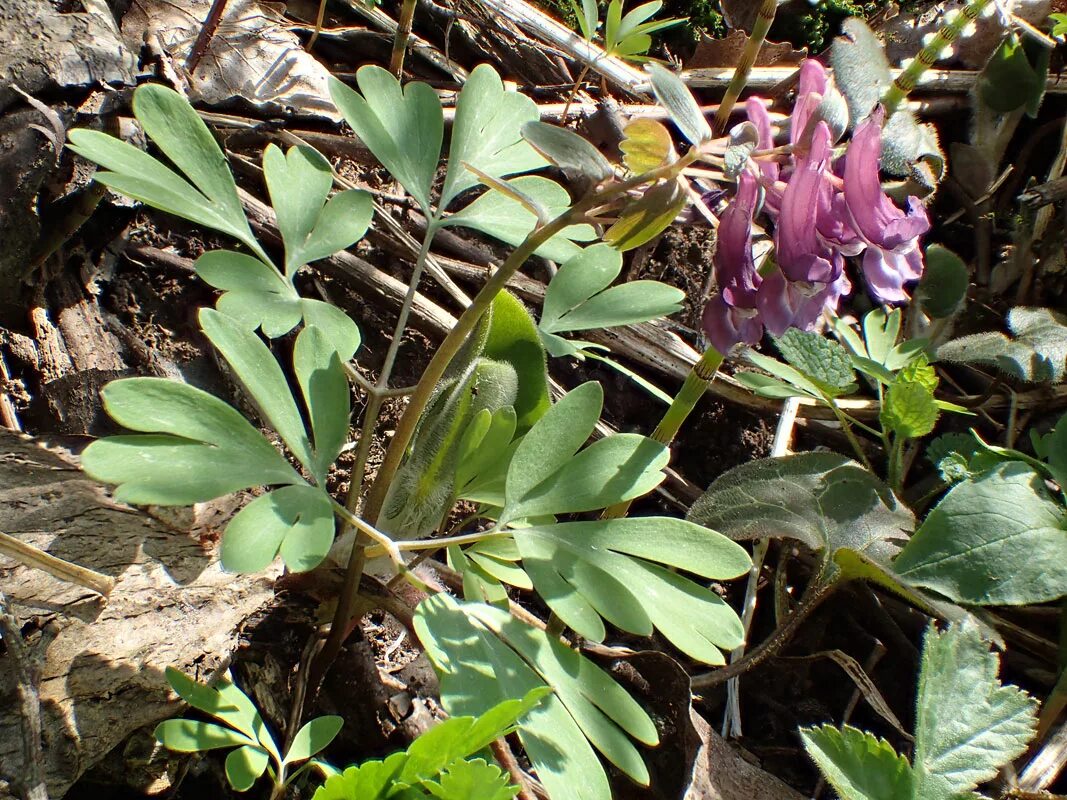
(825, 362)
(1037, 351)
(998, 539)
(824, 500)
(943, 288)
(857, 765)
(909, 409)
(967, 723)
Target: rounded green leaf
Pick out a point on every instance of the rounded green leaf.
(295, 520)
(943, 287)
(245, 765)
(313, 737)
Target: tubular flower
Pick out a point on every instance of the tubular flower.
(892, 257)
(731, 316)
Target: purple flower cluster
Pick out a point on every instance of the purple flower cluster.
(825, 209)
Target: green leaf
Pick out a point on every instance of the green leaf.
(1037, 352)
(200, 447)
(555, 439)
(580, 295)
(567, 150)
(764, 386)
(611, 569)
(261, 376)
(825, 362)
(675, 96)
(324, 387)
(588, 17)
(1056, 449)
(296, 521)
(857, 765)
(225, 702)
(312, 227)
(646, 145)
(967, 724)
(792, 376)
(513, 339)
(371, 780)
(998, 539)
(506, 219)
(479, 586)
(943, 288)
(257, 296)
(208, 198)
(469, 779)
(647, 216)
(245, 765)
(909, 410)
(880, 332)
(312, 738)
(191, 736)
(1012, 78)
(484, 453)
(487, 134)
(462, 638)
(824, 500)
(404, 128)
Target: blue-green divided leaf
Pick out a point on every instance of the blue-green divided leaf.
(191, 736)
(554, 440)
(824, 500)
(675, 96)
(487, 134)
(469, 779)
(254, 293)
(478, 585)
(245, 765)
(580, 277)
(136, 174)
(324, 386)
(178, 131)
(296, 521)
(967, 724)
(513, 339)
(612, 470)
(857, 765)
(462, 638)
(312, 227)
(261, 375)
(998, 539)
(312, 738)
(404, 128)
(567, 150)
(766, 386)
(199, 448)
(588, 570)
(579, 297)
(506, 219)
(299, 182)
(257, 296)
(173, 125)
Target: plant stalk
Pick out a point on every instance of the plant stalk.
(929, 55)
(764, 18)
(696, 383)
(400, 41)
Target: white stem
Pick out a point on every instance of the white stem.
(783, 435)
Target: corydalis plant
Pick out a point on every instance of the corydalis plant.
(820, 219)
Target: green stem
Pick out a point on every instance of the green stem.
(929, 55)
(458, 335)
(696, 383)
(849, 433)
(764, 18)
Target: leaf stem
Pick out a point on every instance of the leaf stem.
(846, 427)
